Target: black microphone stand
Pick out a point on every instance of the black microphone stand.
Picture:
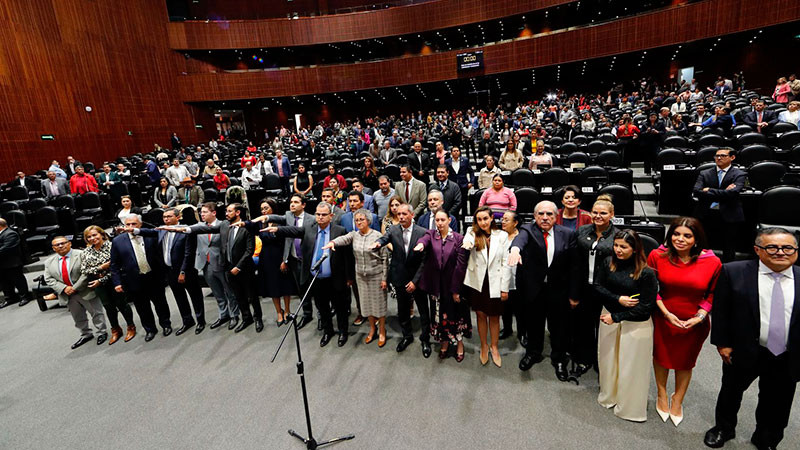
(311, 443)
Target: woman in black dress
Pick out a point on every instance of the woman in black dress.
(303, 182)
(271, 281)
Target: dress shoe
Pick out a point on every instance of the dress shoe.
(242, 325)
(25, 301)
(523, 341)
(528, 361)
(199, 328)
(496, 358)
(183, 329)
(131, 333)
(404, 343)
(444, 352)
(303, 321)
(663, 414)
(167, 331)
(326, 337)
(359, 320)
(233, 323)
(342, 339)
(116, 333)
(716, 437)
(581, 369)
(676, 419)
(426, 349)
(505, 333)
(259, 325)
(754, 440)
(561, 371)
(381, 341)
(149, 336)
(484, 357)
(459, 357)
(369, 338)
(5, 303)
(219, 322)
(101, 338)
(81, 341)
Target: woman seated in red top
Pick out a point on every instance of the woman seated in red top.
(221, 181)
(248, 157)
(687, 274)
(571, 216)
(332, 174)
(251, 147)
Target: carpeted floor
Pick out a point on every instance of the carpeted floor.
(218, 390)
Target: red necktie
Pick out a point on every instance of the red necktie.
(407, 186)
(65, 271)
(208, 255)
(545, 234)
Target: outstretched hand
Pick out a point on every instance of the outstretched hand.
(419, 247)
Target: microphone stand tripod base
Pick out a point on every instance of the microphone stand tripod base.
(311, 444)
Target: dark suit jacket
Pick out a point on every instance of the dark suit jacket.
(184, 247)
(404, 268)
(346, 221)
(768, 116)
(465, 174)
(563, 275)
(244, 245)
(287, 168)
(340, 264)
(152, 172)
(10, 249)
(451, 194)
(414, 164)
(445, 264)
(125, 270)
(425, 220)
(730, 206)
(30, 184)
(736, 318)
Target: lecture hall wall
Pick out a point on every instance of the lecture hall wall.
(59, 56)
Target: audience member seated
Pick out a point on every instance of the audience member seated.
(81, 183)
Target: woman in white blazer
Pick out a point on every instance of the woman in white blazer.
(488, 278)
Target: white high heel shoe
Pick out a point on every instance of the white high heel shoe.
(675, 419)
(663, 414)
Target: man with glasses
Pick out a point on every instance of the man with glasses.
(755, 303)
(548, 278)
(719, 207)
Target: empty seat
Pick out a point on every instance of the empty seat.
(595, 146)
(154, 217)
(555, 177)
(608, 158)
(711, 140)
(89, 204)
(8, 206)
(608, 138)
(753, 154)
(649, 243)
(580, 139)
(669, 156)
(35, 204)
(272, 184)
(765, 174)
(392, 171)
(567, 148)
(783, 127)
(773, 208)
(593, 176)
(522, 177)
(621, 197)
(211, 195)
(751, 138)
(741, 129)
(705, 154)
(676, 141)
(578, 158)
(63, 201)
(789, 140)
(527, 198)
(16, 193)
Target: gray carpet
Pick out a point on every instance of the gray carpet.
(218, 390)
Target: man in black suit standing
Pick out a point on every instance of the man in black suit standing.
(719, 206)
(137, 270)
(11, 263)
(30, 184)
(460, 171)
(548, 277)
(451, 193)
(404, 273)
(175, 141)
(178, 254)
(330, 288)
(418, 163)
(761, 119)
(757, 334)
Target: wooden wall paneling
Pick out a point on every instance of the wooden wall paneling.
(668, 27)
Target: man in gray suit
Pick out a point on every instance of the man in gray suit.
(411, 190)
(53, 186)
(387, 154)
(62, 272)
(292, 250)
(209, 260)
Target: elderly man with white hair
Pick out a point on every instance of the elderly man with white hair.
(548, 278)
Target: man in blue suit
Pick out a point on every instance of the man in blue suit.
(369, 201)
(281, 166)
(152, 171)
(178, 251)
(136, 270)
(460, 171)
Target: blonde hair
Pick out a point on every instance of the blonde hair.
(604, 200)
(96, 228)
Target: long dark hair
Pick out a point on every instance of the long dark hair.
(480, 236)
(700, 241)
(638, 256)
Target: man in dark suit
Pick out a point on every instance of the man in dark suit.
(761, 120)
(719, 206)
(11, 263)
(178, 254)
(487, 145)
(137, 270)
(757, 334)
(460, 171)
(387, 154)
(405, 271)
(292, 250)
(281, 166)
(53, 186)
(70, 167)
(418, 162)
(30, 184)
(435, 200)
(451, 193)
(153, 174)
(330, 285)
(175, 141)
(237, 245)
(548, 277)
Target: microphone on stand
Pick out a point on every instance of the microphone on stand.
(319, 263)
(641, 205)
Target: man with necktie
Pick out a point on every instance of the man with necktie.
(719, 207)
(757, 334)
(411, 190)
(548, 277)
(63, 274)
(137, 270)
(451, 193)
(761, 119)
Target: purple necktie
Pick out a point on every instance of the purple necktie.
(776, 339)
(297, 250)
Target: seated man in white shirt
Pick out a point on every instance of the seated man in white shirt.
(251, 178)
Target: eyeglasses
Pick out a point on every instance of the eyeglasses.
(61, 244)
(721, 156)
(772, 250)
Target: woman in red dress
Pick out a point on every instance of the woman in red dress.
(686, 276)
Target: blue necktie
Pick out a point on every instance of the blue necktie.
(318, 252)
(720, 176)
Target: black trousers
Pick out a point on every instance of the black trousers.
(514, 308)
(114, 303)
(242, 286)
(151, 290)
(462, 209)
(295, 266)
(191, 285)
(775, 392)
(326, 295)
(585, 321)
(553, 310)
(11, 279)
(404, 301)
(722, 235)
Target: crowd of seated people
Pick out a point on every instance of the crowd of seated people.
(394, 193)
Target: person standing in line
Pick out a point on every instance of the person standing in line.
(12, 278)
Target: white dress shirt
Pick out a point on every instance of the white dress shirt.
(456, 165)
(250, 178)
(407, 237)
(765, 285)
(167, 246)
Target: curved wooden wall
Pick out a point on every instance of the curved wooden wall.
(676, 25)
(201, 35)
